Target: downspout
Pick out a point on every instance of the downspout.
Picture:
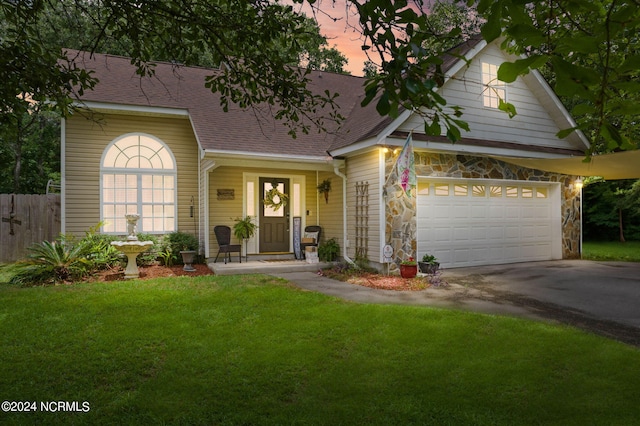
(336, 170)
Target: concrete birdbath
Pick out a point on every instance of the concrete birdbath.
(132, 247)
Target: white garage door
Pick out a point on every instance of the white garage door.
(481, 222)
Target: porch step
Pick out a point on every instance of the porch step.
(270, 256)
(272, 266)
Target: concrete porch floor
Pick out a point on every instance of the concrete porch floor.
(264, 266)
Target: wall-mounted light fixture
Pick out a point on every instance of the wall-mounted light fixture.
(578, 184)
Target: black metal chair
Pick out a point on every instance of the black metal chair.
(308, 231)
(223, 236)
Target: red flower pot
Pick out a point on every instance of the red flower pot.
(408, 271)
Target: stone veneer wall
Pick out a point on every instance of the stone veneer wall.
(401, 227)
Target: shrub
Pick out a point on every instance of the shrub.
(98, 249)
(329, 250)
(176, 242)
(51, 262)
(150, 256)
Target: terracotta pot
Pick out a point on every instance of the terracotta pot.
(408, 271)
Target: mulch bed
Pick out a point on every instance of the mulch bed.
(153, 271)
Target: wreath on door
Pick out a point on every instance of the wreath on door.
(274, 198)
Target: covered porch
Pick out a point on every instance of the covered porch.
(235, 187)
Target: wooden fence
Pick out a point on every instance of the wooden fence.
(26, 219)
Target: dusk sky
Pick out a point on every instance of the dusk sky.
(340, 33)
(337, 24)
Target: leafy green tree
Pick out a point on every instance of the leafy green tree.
(612, 210)
(30, 151)
(29, 138)
(591, 47)
(593, 50)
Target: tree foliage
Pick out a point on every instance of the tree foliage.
(611, 210)
(259, 65)
(593, 51)
(591, 48)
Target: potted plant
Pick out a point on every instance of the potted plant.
(325, 188)
(429, 264)
(244, 229)
(408, 268)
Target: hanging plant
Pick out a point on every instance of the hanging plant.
(274, 198)
(325, 188)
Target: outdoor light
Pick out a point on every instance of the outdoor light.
(579, 184)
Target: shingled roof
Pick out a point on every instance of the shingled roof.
(237, 130)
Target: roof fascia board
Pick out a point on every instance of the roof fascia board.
(558, 104)
(477, 149)
(143, 110)
(272, 161)
(379, 139)
(461, 63)
(136, 109)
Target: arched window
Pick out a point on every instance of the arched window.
(138, 175)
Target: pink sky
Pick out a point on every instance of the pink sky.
(340, 33)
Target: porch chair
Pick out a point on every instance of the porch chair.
(223, 236)
(311, 231)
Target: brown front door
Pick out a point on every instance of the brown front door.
(274, 220)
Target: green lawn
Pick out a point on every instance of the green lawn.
(255, 350)
(629, 251)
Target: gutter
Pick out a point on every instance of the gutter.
(336, 167)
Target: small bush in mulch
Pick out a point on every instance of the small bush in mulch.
(369, 278)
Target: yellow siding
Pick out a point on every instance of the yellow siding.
(365, 168)
(85, 143)
(330, 215)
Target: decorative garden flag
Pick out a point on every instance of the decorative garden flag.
(406, 167)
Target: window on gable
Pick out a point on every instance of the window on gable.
(492, 89)
(138, 175)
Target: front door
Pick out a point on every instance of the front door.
(274, 215)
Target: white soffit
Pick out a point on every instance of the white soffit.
(618, 165)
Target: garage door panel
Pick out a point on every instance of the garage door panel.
(501, 226)
(442, 234)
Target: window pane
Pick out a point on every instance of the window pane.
(460, 190)
(268, 210)
(495, 191)
(296, 200)
(479, 190)
(423, 188)
(541, 193)
(511, 191)
(169, 182)
(527, 192)
(441, 189)
(250, 199)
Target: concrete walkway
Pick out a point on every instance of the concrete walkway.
(452, 296)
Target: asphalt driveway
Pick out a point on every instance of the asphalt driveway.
(608, 291)
(601, 297)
